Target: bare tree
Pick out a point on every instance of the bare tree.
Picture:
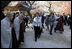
(27, 5)
(49, 6)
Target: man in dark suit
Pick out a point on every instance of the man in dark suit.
(64, 19)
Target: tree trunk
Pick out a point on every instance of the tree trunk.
(29, 14)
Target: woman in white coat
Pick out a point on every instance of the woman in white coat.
(37, 26)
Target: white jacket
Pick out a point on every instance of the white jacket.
(17, 26)
(6, 36)
(37, 22)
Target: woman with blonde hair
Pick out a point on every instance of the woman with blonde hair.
(37, 24)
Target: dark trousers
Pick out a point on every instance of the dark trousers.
(65, 21)
(26, 23)
(51, 28)
(37, 31)
(42, 25)
(48, 27)
(14, 39)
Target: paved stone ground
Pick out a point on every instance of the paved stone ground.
(46, 40)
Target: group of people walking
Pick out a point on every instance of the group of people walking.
(52, 22)
(13, 27)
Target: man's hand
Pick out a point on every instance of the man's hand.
(12, 25)
(21, 21)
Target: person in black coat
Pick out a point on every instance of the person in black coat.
(64, 19)
(43, 18)
(26, 20)
(69, 20)
(43, 21)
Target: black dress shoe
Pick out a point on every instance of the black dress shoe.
(50, 33)
(35, 40)
(55, 31)
(22, 40)
(61, 32)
